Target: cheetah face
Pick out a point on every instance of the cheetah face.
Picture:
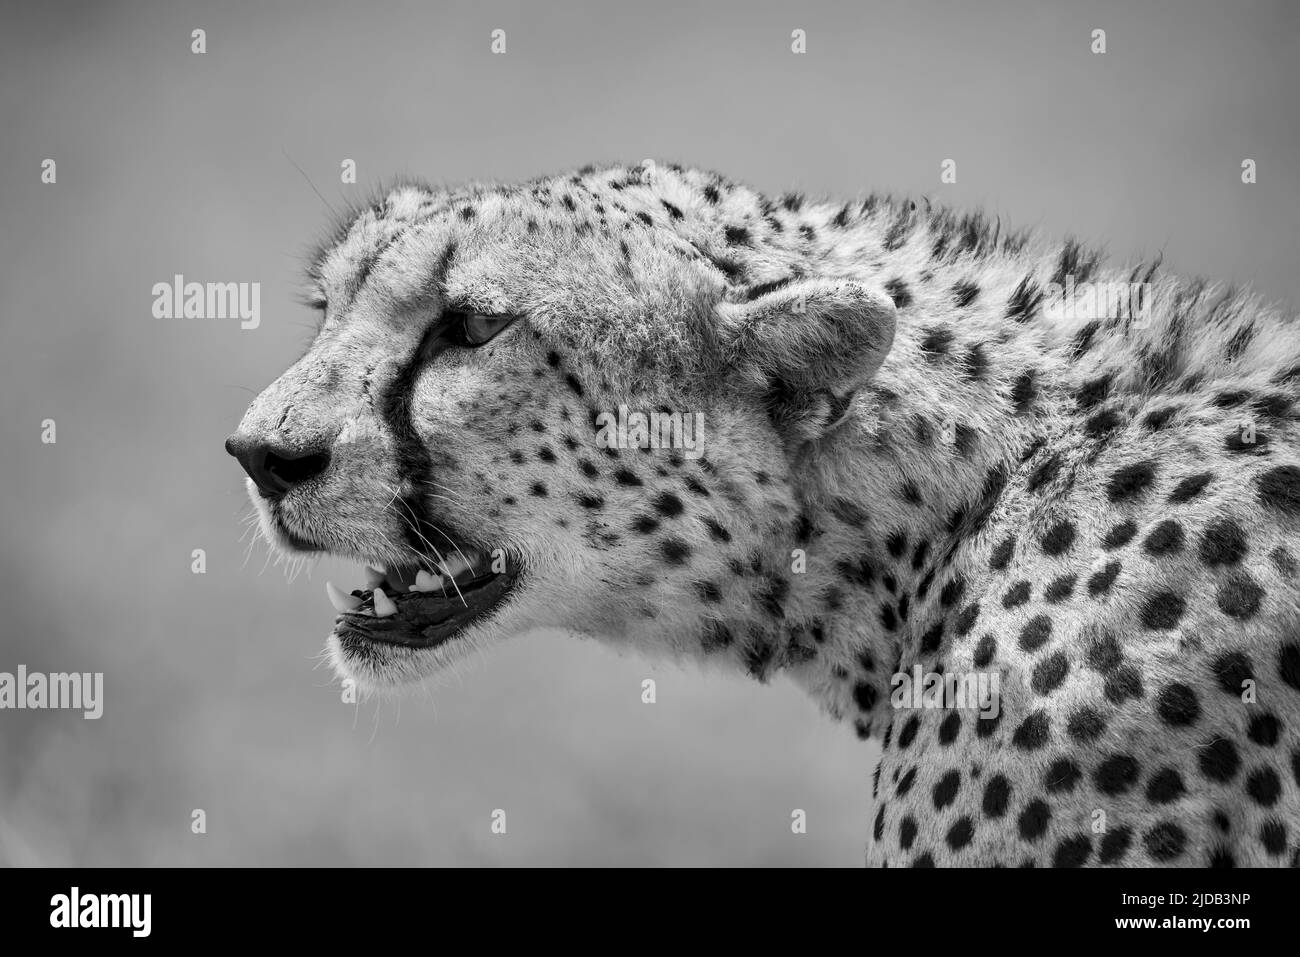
(444, 427)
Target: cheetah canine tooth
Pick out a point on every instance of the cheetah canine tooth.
(374, 576)
(342, 602)
(384, 606)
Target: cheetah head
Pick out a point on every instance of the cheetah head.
(464, 422)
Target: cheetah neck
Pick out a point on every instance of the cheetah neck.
(960, 407)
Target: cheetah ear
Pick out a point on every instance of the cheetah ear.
(808, 346)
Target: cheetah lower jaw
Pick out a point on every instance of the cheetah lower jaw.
(417, 608)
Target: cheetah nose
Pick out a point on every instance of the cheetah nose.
(275, 470)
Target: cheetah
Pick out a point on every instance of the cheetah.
(937, 456)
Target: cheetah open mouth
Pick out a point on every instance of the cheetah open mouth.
(416, 608)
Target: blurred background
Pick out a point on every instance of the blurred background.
(171, 162)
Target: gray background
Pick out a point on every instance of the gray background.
(171, 162)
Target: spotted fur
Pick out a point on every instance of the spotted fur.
(907, 462)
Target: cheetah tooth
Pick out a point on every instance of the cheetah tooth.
(384, 606)
(374, 576)
(426, 582)
(340, 601)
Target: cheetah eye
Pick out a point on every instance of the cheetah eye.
(473, 329)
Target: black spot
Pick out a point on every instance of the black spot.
(1034, 819)
(1059, 589)
(1016, 595)
(1119, 536)
(1272, 834)
(1161, 610)
(1061, 776)
(1033, 733)
(964, 293)
(645, 524)
(1218, 760)
(1115, 845)
(1131, 480)
(1116, 774)
(936, 341)
(716, 531)
(864, 695)
(1085, 725)
(1093, 392)
(966, 619)
(1035, 633)
(1102, 423)
(976, 363)
(1103, 578)
(1082, 340)
(924, 860)
(1001, 554)
(673, 211)
(1264, 729)
(1159, 418)
(737, 235)
(668, 504)
(1024, 391)
(708, 591)
(888, 618)
(1046, 472)
(951, 593)
(628, 478)
(1239, 596)
(1165, 785)
(997, 795)
(950, 728)
(960, 834)
(899, 292)
(1073, 851)
(1280, 488)
(675, 551)
(1190, 487)
(932, 638)
(1050, 673)
(1264, 787)
(897, 543)
(910, 727)
(984, 651)
(945, 792)
(587, 500)
(537, 489)
(1024, 301)
(1178, 705)
(1232, 669)
(1122, 684)
(1165, 841)
(1239, 441)
(906, 833)
(1288, 664)
(1058, 539)
(1104, 653)
(1165, 539)
(1224, 543)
